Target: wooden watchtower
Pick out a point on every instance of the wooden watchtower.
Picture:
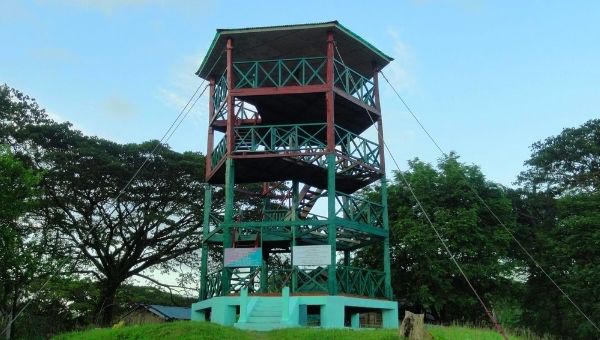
(288, 105)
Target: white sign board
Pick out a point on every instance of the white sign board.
(312, 255)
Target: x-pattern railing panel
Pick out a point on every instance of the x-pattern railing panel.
(357, 147)
(277, 279)
(213, 284)
(354, 83)
(360, 210)
(280, 72)
(311, 280)
(244, 111)
(244, 277)
(278, 138)
(219, 152)
(365, 282)
(219, 97)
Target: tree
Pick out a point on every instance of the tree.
(561, 214)
(112, 235)
(568, 162)
(155, 224)
(22, 255)
(422, 272)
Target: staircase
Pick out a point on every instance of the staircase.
(264, 315)
(308, 197)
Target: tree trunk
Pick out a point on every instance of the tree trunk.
(9, 326)
(104, 311)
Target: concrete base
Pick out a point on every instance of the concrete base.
(270, 312)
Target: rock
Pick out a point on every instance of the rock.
(413, 327)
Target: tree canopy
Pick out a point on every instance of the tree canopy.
(422, 272)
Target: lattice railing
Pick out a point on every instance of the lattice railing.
(278, 138)
(219, 98)
(279, 72)
(357, 147)
(359, 210)
(277, 215)
(353, 83)
(277, 279)
(219, 152)
(306, 142)
(311, 280)
(245, 277)
(296, 72)
(359, 281)
(213, 284)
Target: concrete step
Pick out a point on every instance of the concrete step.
(264, 319)
(259, 326)
(266, 312)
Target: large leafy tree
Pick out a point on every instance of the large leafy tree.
(422, 272)
(111, 234)
(154, 224)
(560, 206)
(22, 244)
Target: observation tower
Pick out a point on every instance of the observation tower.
(288, 105)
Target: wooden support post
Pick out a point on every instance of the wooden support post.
(230, 98)
(379, 126)
(211, 134)
(329, 95)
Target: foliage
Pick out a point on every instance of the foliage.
(422, 272)
(22, 250)
(568, 162)
(560, 209)
(152, 226)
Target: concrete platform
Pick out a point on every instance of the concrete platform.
(264, 313)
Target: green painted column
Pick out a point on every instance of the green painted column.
(228, 220)
(264, 269)
(264, 274)
(331, 227)
(295, 204)
(205, 231)
(386, 240)
(346, 258)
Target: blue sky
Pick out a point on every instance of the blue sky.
(486, 78)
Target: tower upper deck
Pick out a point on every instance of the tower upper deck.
(292, 41)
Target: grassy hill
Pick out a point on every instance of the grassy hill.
(204, 330)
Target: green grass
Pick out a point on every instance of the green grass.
(465, 333)
(205, 330)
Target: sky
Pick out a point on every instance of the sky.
(487, 79)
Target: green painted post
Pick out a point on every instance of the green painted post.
(205, 231)
(243, 305)
(331, 227)
(386, 240)
(264, 281)
(264, 270)
(228, 219)
(295, 204)
(285, 305)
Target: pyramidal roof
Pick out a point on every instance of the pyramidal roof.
(291, 41)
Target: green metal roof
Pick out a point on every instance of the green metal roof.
(286, 41)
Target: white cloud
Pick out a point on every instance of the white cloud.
(120, 107)
(398, 72)
(181, 87)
